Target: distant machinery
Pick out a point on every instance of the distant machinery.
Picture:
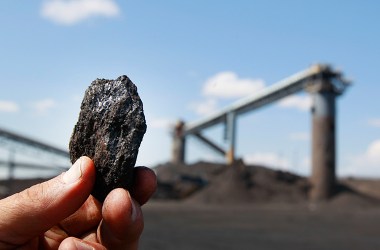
(322, 82)
(17, 144)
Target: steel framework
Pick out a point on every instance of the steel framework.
(16, 143)
(321, 81)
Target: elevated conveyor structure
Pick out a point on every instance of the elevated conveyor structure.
(321, 81)
(17, 144)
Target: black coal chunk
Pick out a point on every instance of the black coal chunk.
(109, 130)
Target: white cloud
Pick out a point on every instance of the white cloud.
(366, 164)
(300, 136)
(268, 159)
(373, 153)
(228, 85)
(8, 107)
(302, 103)
(224, 85)
(43, 106)
(374, 123)
(69, 12)
(206, 107)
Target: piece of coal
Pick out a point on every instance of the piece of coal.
(109, 130)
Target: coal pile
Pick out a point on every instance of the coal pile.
(218, 183)
(213, 183)
(182, 181)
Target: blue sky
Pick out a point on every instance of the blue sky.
(51, 50)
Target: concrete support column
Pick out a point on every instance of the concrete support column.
(178, 150)
(323, 178)
(231, 137)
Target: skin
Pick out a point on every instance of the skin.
(61, 213)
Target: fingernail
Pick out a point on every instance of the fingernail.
(74, 173)
(83, 246)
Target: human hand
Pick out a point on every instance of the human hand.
(61, 213)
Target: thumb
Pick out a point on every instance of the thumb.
(33, 211)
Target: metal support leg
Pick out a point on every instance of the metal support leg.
(178, 153)
(231, 137)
